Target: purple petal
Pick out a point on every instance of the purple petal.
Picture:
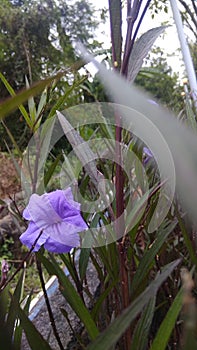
(153, 102)
(29, 237)
(55, 247)
(26, 214)
(40, 211)
(147, 152)
(69, 210)
(58, 215)
(64, 233)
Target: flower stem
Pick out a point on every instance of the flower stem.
(50, 312)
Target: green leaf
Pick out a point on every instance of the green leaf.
(148, 258)
(161, 340)
(66, 258)
(115, 10)
(139, 172)
(51, 170)
(71, 295)
(83, 261)
(187, 239)
(97, 307)
(110, 336)
(35, 339)
(19, 330)
(141, 333)
(138, 210)
(41, 106)
(140, 50)
(12, 93)
(61, 101)
(81, 148)
(31, 105)
(16, 298)
(12, 139)
(11, 104)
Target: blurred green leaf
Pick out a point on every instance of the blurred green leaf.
(11, 104)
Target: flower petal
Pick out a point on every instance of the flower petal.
(56, 247)
(148, 152)
(28, 237)
(65, 206)
(64, 233)
(40, 211)
(58, 215)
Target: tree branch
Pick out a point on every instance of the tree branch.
(188, 10)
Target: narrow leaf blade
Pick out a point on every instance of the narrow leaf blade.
(140, 50)
(110, 336)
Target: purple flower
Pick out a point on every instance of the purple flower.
(147, 152)
(148, 155)
(153, 102)
(58, 215)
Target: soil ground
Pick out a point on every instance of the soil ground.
(9, 179)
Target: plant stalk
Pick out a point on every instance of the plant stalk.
(50, 312)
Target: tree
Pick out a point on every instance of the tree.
(36, 37)
(188, 12)
(36, 40)
(160, 81)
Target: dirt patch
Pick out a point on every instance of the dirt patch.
(9, 179)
